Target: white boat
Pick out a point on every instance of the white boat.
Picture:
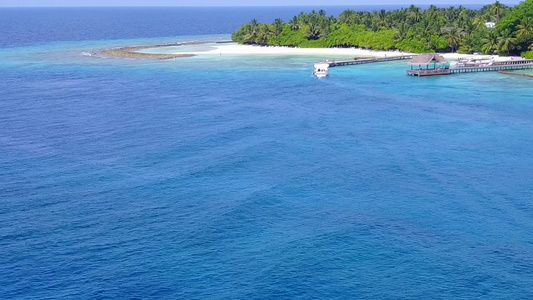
(475, 62)
(321, 70)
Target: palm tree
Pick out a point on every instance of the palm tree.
(469, 44)
(294, 24)
(382, 15)
(497, 9)
(263, 34)
(401, 32)
(278, 26)
(253, 31)
(490, 43)
(313, 31)
(454, 37)
(468, 26)
(525, 29)
(416, 14)
(388, 22)
(463, 20)
(506, 42)
(423, 29)
(431, 12)
(302, 19)
(400, 16)
(479, 22)
(451, 14)
(348, 17)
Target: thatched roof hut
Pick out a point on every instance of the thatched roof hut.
(427, 58)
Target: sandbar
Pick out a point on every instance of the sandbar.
(133, 51)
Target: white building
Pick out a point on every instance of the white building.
(490, 24)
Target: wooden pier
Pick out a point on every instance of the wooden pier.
(434, 64)
(496, 66)
(338, 63)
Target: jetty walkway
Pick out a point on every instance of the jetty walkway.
(496, 66)
(434, 64)
(338, 63)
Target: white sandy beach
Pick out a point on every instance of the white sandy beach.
(236, 49)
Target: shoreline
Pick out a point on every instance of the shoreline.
(238, 49)
(131, 52)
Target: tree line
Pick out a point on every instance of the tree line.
(455, 29)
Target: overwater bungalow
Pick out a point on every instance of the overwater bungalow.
(428, 64)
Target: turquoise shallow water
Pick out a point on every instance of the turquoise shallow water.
(246, 177)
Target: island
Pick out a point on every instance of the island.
(493, 29)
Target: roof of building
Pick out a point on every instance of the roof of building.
(427, 58)
(448, 29)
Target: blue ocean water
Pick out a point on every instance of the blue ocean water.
(245, 177)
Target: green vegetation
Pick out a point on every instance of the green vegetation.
(409, 29)
(527, 54)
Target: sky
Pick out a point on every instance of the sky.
(33, 3)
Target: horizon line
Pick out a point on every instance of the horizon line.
(225, 6)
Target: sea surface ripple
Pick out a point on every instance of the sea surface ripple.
(248, 178)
